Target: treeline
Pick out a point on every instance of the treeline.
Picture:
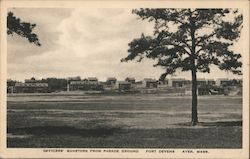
(55, 84)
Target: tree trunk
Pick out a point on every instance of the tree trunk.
(194, 120)
(194, 99)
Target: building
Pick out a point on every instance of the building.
(111, 81)
(77, 78)
(211, 82)
(164, 82)
(236, 82)
(30, 87)
(149, 83)
(240, 82)
(10, 85)
(222, 81)
(130, 79)
(210, 90)
(85, 86)
(123, 86)
(187, 82)
(176, 82)
(30, 81)
(201, 82)
(92, 79)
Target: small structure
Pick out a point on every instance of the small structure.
(149, 83)
(130, 80)
(123, 86)
(111, 81)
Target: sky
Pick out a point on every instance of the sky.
(86, 43)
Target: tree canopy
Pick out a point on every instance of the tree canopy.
(182, 34)
(23, 29)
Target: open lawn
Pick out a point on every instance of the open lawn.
(123, 121)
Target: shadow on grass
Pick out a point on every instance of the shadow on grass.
(221, 123)
(64, 130)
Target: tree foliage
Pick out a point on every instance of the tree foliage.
(180, 35)
(23, 29)
(55, 84)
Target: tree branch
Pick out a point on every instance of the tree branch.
(201, 39)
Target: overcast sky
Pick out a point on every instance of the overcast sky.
(86, 43)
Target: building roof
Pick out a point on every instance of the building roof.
(31, 81)
(123, 82)
(78, 82)
(222, 79)
(77, 78)
(201, 79)
(92, 79)
(210, 80)
(138, 82)
(149, 80)
(178, 79)
(19, 84)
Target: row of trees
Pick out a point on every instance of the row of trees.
(55, 84)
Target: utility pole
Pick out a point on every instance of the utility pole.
(12, 89)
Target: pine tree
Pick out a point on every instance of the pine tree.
(189, 40)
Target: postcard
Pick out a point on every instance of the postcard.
(124, 79)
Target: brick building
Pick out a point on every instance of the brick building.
(32, 87)
(85, 86)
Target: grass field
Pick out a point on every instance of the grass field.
(123, 121)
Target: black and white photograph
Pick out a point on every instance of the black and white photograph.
(120, 80)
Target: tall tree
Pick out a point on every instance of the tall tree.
(189, 40)
(24, 29)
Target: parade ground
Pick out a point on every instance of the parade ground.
(122, 121)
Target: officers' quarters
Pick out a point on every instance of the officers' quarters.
(130, 80)
(84, 85)
(176, 82)
(149, 83)
(123, 86)
(33, 87)
(222, 81)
